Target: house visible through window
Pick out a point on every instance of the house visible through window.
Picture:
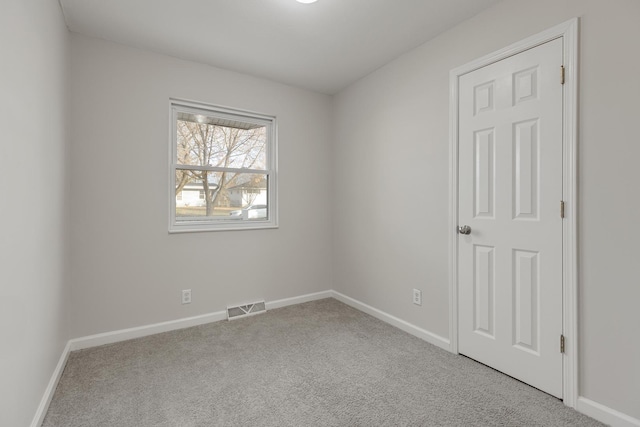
(222, 169)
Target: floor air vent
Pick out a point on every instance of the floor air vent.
(246, 310)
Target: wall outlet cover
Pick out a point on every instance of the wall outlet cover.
(417, 297)
(186, 296)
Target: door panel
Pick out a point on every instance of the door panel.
(484, 174)
(510, 188)
(483, 290)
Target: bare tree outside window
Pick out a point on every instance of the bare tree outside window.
(211, 144)
(222, 164)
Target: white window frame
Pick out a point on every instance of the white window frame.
(220, 224)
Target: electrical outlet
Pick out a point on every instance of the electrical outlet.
(186, 296)
(417, 297)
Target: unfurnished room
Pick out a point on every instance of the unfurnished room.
(319, 213)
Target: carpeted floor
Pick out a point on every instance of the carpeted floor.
(316, 364)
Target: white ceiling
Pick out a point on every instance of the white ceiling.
(324, 46)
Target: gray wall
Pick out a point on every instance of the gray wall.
(34, 48)
(391, 181)
(384, 178)
(127, 270)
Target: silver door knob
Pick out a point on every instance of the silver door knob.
(465, 229)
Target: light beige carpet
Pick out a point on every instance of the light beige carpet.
(316, 364)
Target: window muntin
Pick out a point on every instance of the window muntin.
(222, 169)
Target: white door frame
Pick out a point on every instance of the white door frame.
(568, 31)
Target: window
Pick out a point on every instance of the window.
(223, 173)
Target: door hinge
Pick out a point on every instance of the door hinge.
(561, 343)
(561, 209)
(562, 74)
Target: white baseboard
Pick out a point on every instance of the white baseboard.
(429, 337)
(298, 300)
(588, 407)
(172, 325)
(38, 418)
(143, 331)
(604, 414)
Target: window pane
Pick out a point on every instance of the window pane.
(224, 196)
(209, 141)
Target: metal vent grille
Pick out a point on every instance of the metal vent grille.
(246, 310)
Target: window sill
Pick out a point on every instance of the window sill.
(189, 228)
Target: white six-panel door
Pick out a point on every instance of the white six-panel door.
(510, 189)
